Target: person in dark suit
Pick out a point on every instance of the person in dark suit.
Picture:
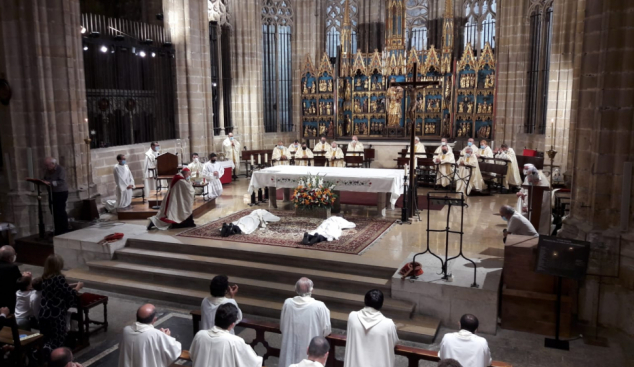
(9, 275)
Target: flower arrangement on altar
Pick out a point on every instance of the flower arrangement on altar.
(313, 192)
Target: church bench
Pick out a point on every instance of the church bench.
(493, 171)
(368, 156)
(413, 355)
(354, 161)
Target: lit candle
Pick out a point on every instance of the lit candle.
(252, 160)
(406, 169)
(259, 158)
(266, 157)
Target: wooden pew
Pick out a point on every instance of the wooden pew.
(493, 171)
(354, 161)
(368, 155)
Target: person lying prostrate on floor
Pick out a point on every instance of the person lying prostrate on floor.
(318, 350)
(249, 223)
(218, 347)
(303, 318)
(466, 347)
(221, 293)
(177, 206)
(144, 346)
(329, 230)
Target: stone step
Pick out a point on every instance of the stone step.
(318, 260)
(418, 329)
(257, 288)
(341, 282)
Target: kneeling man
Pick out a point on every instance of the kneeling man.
(212, 172)
(177, 206)
(124, 184)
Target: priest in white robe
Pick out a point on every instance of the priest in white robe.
(254, 220)
(355, 148)
(513, 172)
(485, 150)
(293, 148)
(444, 174)
(470, 144)
(371, 336)
(318, 351)
(465, 346)
(335, 156)
(304, 156)
(303, 318)
(124, 184)
(280, 156)
(322, 146)
(212, 173)
(536, 178)
(419, 149)
(218, 347)
(196, 168)
(231, 149)
(476, 181)
(329, 230)
(443, 143)
(221, 293)
(142, 345)
(149, 168)
(177, 206)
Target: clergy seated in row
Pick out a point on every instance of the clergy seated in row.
(470, 144)
(322, 147)
(304, 155)
(177, 206)
(212, 173)
(355, 148)
(124, 183)
(142, 345)
(445, 170)
(302, 319)
(219, 347)
(281, 155)
(149, 168)
(293, 148)
(419, 149)
(484, 151)
(335, 156)
(516, 223)
(231, 149)
(371, 336)
(443, 143)
(536, 178)
(513, 171)
(465, 346)
(220, 293)
(475, 181)
(317, 353)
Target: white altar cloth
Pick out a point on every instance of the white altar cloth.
(227, 164)
(345, 179)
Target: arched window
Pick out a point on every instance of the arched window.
(541, 29)
(480, 23)
(416, 24)
(277, 22)
(334, 22)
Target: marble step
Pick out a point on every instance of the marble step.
(418, 329)
(258, 288)
(341, 282)
(318, 260)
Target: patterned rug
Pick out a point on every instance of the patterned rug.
(289, 232)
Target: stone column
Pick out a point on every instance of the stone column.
(41, 57)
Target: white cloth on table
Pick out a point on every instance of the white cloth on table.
(371, 339)
(149, 172)
(445, 170)
(545, 219)
(520, 225)
(513, 172)
(476, 181)
(177, 204)
(301, 153)
(307, 363)
(218, 347)
(279, 152)
(302, 319)
(214, 186)
(232, 152)
(418, 148)
(355, 149)
(259, 217)
(332, 228)
(467, 348)
(208, 309)
(335, 154)
(319, 147)
(144, 346)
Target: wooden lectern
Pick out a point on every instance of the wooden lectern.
(166, 168)
(534, 203)
(40, 214)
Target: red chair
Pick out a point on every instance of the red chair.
(529, 153)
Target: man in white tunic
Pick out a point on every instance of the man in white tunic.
(124, 184)
(149, 168)
(212, 172)
(513, 171)
(249, 223)
(335, 156)
(231, 149)
(419, 149)
(443, 159)
(281, 155)
(443, 142)
(304, 153)
(177, 206)
(470, 143)
(485, 150)
(218, 347)
(221, 293)
(536, 178)
(196, 167)
(322, 146)
(303, 318)
(475, 182)
(318, 351)
(293, 148)
(517, 223)
(355, 148)
(329, 230)
(371, 336)
(466, 347)
(144, 346)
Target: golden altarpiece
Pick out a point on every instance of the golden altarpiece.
(462, 106)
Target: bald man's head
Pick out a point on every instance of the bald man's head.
(7, 254)
(60, 357)
(146, 314)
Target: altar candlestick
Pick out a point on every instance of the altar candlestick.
(406, 169)
(252, 162)
(266, 157)
(552, 133)
(259, 158)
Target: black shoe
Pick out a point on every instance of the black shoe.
(150, 226)
(224, 232)
(235, 229)
(306, 237)
(317, 238)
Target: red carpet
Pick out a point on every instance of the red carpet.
(369, 199)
